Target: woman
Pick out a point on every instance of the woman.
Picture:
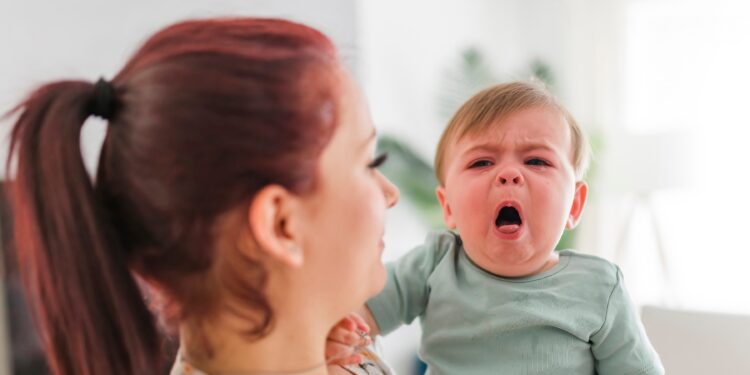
(236, 186)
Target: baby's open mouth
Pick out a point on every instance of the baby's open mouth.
(508, 220)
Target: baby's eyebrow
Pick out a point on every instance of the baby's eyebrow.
(482, 147)
(537, 146)
(488, 147)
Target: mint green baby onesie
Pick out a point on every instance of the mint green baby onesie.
(575, 318)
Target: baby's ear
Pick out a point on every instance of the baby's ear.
(447, 215)
(579, 201)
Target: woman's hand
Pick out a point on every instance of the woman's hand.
(345, 338)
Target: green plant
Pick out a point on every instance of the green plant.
(414, 176)
(460, 82)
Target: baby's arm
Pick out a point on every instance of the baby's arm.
(407, 289)
(403, 298)
(364, 313)
(621, 345)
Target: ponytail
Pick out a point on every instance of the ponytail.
(91, 315)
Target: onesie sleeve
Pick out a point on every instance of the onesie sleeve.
(621, 346)
(407, 289)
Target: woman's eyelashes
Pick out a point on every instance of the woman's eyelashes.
(378, 161)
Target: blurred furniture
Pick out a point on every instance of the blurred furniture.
(699, 343)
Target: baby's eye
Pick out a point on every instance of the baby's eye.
(480, 164)
(537, 162)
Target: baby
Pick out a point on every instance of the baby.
(497, 298)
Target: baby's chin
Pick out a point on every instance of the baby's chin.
(508, 261)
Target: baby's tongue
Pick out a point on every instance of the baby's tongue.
(509, 228)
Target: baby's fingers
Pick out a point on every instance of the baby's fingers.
(348, 337)
(347, 323)
(359, 322)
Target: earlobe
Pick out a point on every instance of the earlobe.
(579, 202)
(271, 216)
(447, 215)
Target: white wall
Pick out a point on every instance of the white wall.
(687, 74)
(46, 40)
(408, 46)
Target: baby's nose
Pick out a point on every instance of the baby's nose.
(509, 177)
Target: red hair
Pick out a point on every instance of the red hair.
(207, 112)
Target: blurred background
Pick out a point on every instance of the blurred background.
(661, 87)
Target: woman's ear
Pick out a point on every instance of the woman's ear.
(271, 218)
(579, 201)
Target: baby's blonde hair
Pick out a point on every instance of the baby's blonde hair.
(490, 105)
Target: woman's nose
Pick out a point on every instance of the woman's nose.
(391, 192)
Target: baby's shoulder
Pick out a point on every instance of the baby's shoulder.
(438, 247)
(590, 267)
(442, 242)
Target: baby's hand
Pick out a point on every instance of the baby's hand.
(345, 338)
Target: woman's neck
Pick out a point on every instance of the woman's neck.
(292, 346)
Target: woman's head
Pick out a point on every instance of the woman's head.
(232, 156)
(208, 113)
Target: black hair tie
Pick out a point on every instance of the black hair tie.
(104, 99)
